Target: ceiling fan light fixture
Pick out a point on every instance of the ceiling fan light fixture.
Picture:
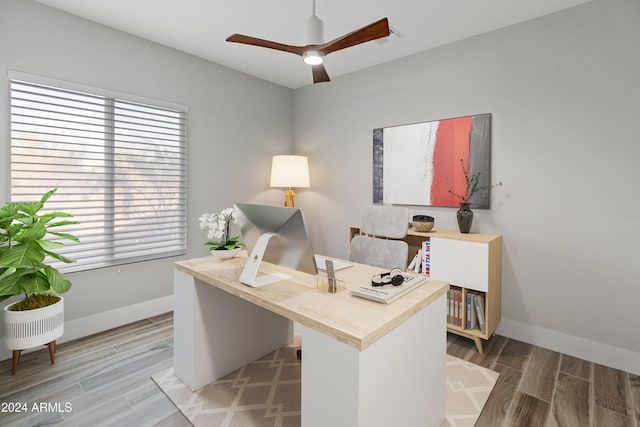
(314, 51)
(312, 57)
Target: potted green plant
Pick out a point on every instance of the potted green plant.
(24, 247)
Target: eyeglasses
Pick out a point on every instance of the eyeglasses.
(393, 277)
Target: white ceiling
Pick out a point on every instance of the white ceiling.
(199, 27)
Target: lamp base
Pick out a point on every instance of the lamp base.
(290, 199)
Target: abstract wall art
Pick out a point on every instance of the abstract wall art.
(418, 164)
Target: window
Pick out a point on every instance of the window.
(119, 167)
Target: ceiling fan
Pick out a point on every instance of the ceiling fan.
(315, 50)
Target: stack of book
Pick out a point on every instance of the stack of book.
(389, 293)
(421, 262)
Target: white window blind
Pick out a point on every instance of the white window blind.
(119, 167)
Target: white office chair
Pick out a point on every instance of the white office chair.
(373, 247)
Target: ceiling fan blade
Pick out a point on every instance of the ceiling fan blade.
(319, 73)
(254, 41)
(376, 30)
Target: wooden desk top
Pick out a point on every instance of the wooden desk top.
(348, 319)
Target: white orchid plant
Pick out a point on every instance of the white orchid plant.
(218, 229)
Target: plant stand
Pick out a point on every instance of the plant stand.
(32, 328)
(17, 353)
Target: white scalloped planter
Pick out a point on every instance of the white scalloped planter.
(224, 254)
(31, 328)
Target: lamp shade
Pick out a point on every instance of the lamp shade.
(290, 171)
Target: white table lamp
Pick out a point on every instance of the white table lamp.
(289, 172)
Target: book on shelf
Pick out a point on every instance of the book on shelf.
(414, 265)
(389, 293)
(456, 307)
(426, 257)
(461, 309)
(451, 299)
(472, 317)
(478, 300)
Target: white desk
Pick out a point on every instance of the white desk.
(364, 364)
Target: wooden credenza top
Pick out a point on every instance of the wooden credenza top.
(447, 234)
(353, 321)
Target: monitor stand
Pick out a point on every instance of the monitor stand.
(250, 276)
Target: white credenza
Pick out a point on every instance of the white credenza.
(471, 262)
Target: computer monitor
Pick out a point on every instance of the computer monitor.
(277, 235)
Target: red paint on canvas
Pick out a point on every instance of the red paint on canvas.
(452, 144)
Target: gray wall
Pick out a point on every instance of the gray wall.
(236, 122)
(564, 94)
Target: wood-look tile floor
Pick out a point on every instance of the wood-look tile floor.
(542, 388)
(104, 380)
(100, 380)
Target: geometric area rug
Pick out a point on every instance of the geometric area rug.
(266, 393)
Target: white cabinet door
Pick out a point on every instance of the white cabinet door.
(460, 263)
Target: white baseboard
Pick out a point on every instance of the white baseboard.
(99, 322)
(593, 351)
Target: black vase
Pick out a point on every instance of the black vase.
(465, 217)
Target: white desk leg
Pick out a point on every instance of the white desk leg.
(216, 333)
(397, 381)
